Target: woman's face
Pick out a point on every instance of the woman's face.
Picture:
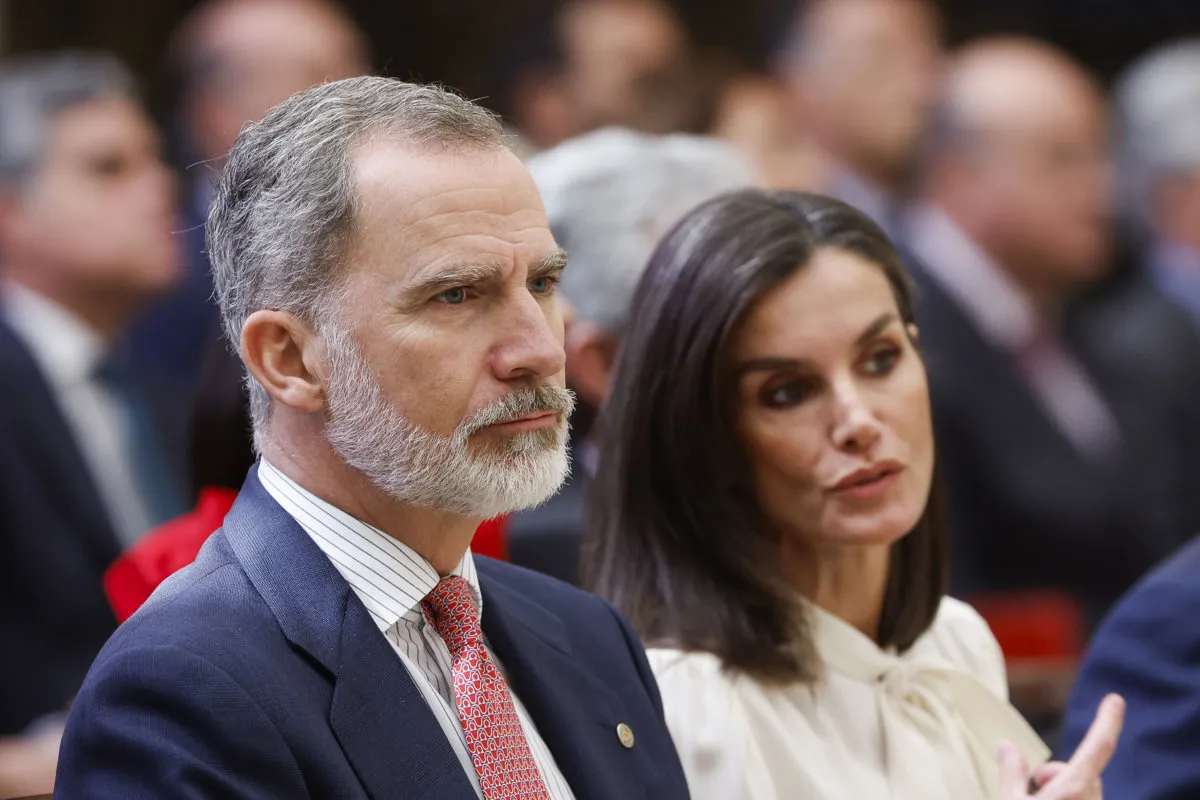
(833, 406)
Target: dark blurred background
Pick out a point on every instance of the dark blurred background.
(468, 43)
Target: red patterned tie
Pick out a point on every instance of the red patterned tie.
(495, 739)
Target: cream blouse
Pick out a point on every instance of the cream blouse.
(924, 725)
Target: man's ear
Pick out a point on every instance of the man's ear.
(287, 358)
(591, 352)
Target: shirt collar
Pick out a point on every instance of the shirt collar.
(388, 576)
(1003, 311)
(64, 346)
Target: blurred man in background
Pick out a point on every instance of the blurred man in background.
(1158, 117)
(233, 60)
(864, 73)
(610, 196)
(604, 62)
(1068, 436)
(87, 215)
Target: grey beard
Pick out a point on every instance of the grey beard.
(428, 470)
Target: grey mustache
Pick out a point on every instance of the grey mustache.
(521, 403)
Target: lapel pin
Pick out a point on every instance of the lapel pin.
(625, 735)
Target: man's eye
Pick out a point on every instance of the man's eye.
(543, 285)
(453, 297)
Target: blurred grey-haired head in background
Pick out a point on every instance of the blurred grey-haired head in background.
(1157, 107)
(35, 90)
(612, 194)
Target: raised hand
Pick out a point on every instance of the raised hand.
(1077, 779)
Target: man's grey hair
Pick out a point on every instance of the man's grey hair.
(1157, 110)
(34, 90)
(612, 194)
(284, 211)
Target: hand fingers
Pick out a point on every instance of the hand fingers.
(1047, 772)
(1014, 774)
(1098, 746)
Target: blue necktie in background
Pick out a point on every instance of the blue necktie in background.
(159, 488)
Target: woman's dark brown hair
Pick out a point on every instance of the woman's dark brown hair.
(677, 539)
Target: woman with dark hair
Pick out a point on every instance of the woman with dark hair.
(768, 517)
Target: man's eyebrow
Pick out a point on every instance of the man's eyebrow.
(421, 289)
(551, 264)
(468, 275)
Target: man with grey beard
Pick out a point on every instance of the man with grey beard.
(385, 269)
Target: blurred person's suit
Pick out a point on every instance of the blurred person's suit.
(1070, 455)
(1148, 650)
(86, 464)
(58, 540)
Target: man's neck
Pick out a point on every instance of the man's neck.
(440, 538)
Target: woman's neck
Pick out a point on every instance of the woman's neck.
(848, 582)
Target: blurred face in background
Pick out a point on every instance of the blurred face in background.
(97, 217)
(759, 118)
(246, 56)
(1033, 179)
(865, 72)
(833, 406)
(627, 63)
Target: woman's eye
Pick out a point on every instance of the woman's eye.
(882, 361)
(784, 395)
(453, 297)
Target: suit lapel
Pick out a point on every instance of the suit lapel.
(575, 715)
(383, 723)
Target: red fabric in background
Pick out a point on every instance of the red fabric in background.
(1034, 625)
(134, 576)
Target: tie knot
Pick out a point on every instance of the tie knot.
(450, 609)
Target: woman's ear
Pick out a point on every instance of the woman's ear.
(914, 333)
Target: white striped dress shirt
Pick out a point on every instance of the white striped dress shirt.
(391, 580)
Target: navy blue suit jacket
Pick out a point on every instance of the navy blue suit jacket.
(257, 673)
(1148, 650)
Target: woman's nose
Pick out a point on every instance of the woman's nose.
(856, 428)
